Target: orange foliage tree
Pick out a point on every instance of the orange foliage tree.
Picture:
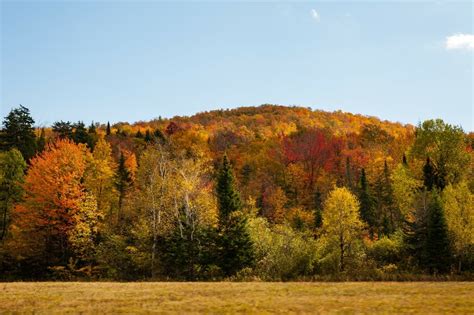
(54, 192)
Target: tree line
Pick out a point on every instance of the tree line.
(188, 200)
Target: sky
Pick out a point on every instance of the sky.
(116, 61)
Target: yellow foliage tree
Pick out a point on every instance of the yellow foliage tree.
(341, 222)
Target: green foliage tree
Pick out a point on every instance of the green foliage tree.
(12, 171)
(445, 145)
(18, 132)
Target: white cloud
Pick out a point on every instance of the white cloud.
(315, 15)
(460, 41)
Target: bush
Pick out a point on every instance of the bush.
(281, 252)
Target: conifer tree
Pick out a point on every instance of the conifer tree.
(228, 198)
(18, 132)
(148, 136)
(366, 203)
(64, 130)
(123, 181)
(236, 251)
(429, 175)
(438, 253)
(80, 134)
(139, 134)
(404, 160)
(41, 142)
(107, 130)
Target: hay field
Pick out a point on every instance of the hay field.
(229, 297)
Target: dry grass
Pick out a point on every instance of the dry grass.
(228, 297)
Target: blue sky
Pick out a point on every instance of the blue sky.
(129, 61)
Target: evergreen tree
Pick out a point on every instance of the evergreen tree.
(18, 132)
(429, 175)
(41, 142)
(148, 136)
(159, 136)
(366, 203)
(64, 130)
(92, 136)
(349, 173)
(438, 253)
(404, 160)
(236, 249)
(227, 196)
(92, 129)
(123, 181)
(80, 134)
(107, 130)
(318, 209)
(386, 210)
(139, 134)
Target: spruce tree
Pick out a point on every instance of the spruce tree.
(227, 196)
(438, 253)
(148, 136)
(318, 209)
(366, 203)
(108, 130)
(123, 181)
(429, 175)
(18, 132)
(236, 249)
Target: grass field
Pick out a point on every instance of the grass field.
(254, 297)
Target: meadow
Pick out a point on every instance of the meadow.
(237, 297)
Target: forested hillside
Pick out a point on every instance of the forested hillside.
(269, 192)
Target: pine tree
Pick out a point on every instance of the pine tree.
(366, 203)
(123, 181)
(107, 130)
(80, 134)
(236, 250)
(18, 132)
(64, 130)
(438, 252)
